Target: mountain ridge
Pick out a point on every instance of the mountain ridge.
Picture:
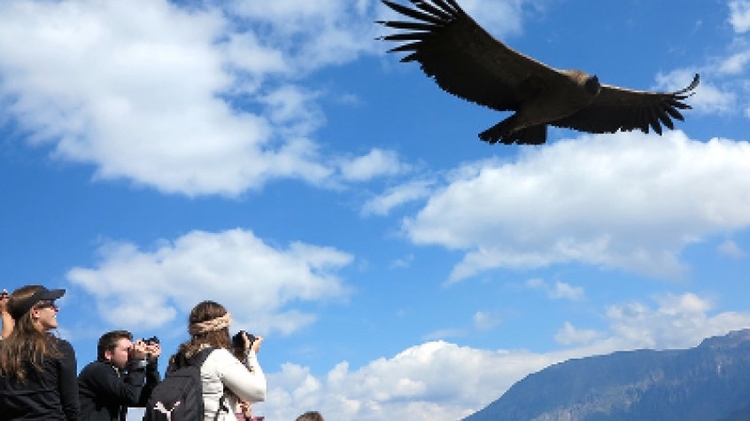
(710, 382)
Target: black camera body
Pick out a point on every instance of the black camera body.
(150, 341)
(239, 342)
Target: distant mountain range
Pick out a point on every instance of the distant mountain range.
(710, 382)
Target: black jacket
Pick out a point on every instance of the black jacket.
(51, 394)
(106, 393)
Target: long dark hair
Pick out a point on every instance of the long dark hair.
(203, 312)
(27, 344)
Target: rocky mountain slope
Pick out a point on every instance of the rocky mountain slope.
(710, 382)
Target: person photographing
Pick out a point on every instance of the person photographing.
(124, 375)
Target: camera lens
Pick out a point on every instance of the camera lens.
(237, 340)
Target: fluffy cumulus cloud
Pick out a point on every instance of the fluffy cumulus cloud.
(196, 99)
(444, 381)
(627, 201)
(133, 287)
(435, 380)
(313, 34)
(190, 100)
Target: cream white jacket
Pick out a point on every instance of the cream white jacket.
(222, 369)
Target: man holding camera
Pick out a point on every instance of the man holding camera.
(124, 374)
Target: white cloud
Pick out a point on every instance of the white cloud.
(485, 321)
(480, 321)
(422, 382)
(147, 90)
(444, 381)
(739, 15)
(735, 63)
(679, 321)
(567, 291)
(708, 98)
(560, 290)
(149, 288)
(314, 34)
(397, 196)
(293, 109)
(569, 335)
(403, 262)
(549, 206)
(730, 249)
(502, 18)
(724, 86)
(376, 163)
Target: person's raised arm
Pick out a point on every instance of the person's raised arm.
(247, 381)
(7, 319)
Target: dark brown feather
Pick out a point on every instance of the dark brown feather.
(415, 14)
(464, 59)
(609, 111)
(427, 7)
(468, 62)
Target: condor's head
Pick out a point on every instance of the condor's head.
(592, 85)
(586, 82)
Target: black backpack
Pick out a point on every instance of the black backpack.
(179, 397)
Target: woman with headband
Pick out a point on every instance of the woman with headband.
(37, 370)
(225, 379)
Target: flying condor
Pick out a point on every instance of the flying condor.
(466, 61)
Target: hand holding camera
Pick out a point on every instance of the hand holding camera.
(245, 341)
(152, 347)
(138, 351)
(146, 348)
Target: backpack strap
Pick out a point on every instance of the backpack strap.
(197, 360)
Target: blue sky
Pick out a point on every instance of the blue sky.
(272, 157)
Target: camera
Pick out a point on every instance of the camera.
(239, 342)
(151, 341)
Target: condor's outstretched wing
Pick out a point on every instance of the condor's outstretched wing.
(464, 59)
(624, 109)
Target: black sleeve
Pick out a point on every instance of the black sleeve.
(68, 381)
(103, 382)
(152, 379)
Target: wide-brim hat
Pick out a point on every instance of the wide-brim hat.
(21, 307)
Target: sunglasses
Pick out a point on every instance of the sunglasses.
(46, 304)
